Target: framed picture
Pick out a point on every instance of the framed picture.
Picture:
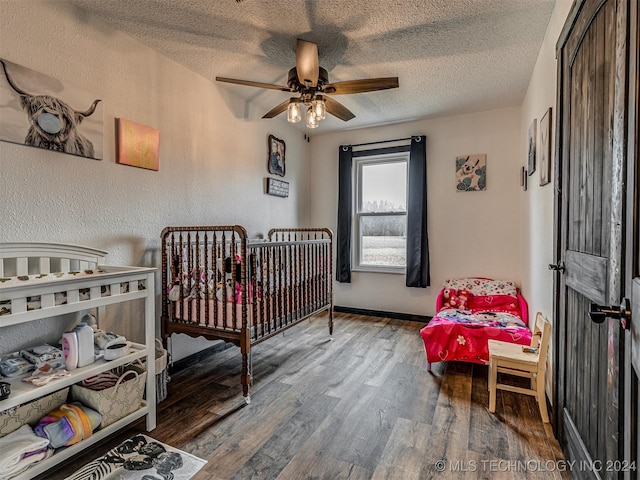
(471, 173)
(523, 178)
(278, 188)
(545, 148)
(532, 147)
(43, 112)
(138, 145)
(276, 156)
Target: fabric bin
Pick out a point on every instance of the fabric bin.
(30, 413)
(162, 375)
(116, 402)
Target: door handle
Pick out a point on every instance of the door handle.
(598, 313)
(558, 267)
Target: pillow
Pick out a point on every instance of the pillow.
(494, 303)
(481, 286)
(458, 299)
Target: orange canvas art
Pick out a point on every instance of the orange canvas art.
(138, 145)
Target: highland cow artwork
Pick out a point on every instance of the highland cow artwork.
(44, 112)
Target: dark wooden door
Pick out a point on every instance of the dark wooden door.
(590, 220)
(631, 404)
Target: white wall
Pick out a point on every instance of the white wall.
(537, 214)
(213, 160)
(470, 233)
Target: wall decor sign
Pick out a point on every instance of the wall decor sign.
(545, 148)
(471, 173)
(532, 147)
(43, 112)
(276, 156)
(278, 188)
(138, 145)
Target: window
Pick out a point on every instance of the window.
(380, 212)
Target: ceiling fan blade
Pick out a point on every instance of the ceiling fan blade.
(277, 110)
(249, 83)
(337, 109)
(307, 62)
(361, 86)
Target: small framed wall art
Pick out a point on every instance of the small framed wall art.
(532, 147)
(471, 173)
(137, 145)
(545, 148)
(277, 188)
(276, 156)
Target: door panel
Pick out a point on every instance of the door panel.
(631, 406)
(585, 274)
(632, 384)
(591, 133)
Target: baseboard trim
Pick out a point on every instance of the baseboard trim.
(380, 313)
(198, 356)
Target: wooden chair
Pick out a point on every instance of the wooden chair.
(510, 358)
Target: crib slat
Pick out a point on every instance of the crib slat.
(95, 292)
(73, 296)
(47, 300)
(65, 265)
(18, 305)
(45, 265)
(22, 266)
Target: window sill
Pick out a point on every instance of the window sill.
(366, 269)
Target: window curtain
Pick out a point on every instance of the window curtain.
(417, 273)
(345, 202)
(417, 236)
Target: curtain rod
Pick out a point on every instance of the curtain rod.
(383, 141)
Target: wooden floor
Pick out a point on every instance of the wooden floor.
(359, 406)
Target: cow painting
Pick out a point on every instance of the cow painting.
(53, 124)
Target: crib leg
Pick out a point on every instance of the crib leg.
(331, 321)
(245, 379)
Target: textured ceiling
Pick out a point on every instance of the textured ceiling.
(451, 56)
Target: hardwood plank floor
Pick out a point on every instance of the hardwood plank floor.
(359, 406)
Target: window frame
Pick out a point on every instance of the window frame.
(359, 163)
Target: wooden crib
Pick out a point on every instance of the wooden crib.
(219, 284)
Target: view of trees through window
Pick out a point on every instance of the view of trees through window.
(383, 220)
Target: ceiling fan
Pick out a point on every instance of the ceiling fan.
(311, 82)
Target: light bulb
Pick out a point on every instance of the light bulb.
(294, 115)
(319, 108)
(312, 121)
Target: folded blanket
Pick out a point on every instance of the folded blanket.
(17, 451)
(68, 424)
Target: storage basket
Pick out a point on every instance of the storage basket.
(115, 402)
(162, 375)
(31, 413)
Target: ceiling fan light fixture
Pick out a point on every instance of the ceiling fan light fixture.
(294, 112)
(318, 107)
(312, 120)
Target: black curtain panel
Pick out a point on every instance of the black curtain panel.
(343, 234)
(417, 236)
